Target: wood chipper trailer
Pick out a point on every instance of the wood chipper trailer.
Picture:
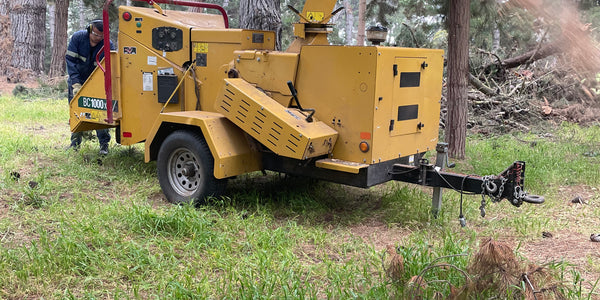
(210, 103)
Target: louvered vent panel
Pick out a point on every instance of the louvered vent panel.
(282, 130)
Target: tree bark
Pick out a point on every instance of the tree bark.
(362, 8)
(458, 76)
(82, 22)
(4, 7)
(495, 38)
(6, 39)
(28, 23)
(6, 44)
(349, 22)
(51, 16)
(57, 64)
(261, 15)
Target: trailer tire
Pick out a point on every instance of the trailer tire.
(185, 169)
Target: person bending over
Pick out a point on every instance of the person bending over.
(81, 62)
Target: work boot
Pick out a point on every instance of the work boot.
(103, 149)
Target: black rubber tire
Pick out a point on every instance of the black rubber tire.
(185, 169)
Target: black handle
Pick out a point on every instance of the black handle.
(337, 11)
(295, 95)
(293, 9)
(292, 89)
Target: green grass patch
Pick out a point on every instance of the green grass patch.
(77, 225)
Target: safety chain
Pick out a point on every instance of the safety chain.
(518, 194)
(489, 187)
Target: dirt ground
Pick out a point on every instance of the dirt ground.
(571, 244)
(7, 87)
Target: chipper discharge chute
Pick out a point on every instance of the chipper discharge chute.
(210, 103)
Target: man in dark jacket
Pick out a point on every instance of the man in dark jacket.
(81, 62)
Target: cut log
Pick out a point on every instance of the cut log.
(527, 57)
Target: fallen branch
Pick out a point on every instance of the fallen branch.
(517, 86)
(587, 93)
(491, 54)
(486, 102)
(527, 57)
(481, 87)
(517, 124)
(537, 48)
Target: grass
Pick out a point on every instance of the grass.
(75, 225)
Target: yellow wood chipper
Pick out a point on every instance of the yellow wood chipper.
(210, 103)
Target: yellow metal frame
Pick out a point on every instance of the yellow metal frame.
(232, 150)
(357, 96)
(360, 96)
(340, 165)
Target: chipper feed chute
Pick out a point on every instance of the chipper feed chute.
(88, 108)
(283, 130)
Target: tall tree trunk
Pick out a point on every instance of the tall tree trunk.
(57, 64)
(495, 38)
(28, 21)
(362, 8)
(6, 39)
(6, 44)
(261, 15)
(82, 21)
(349, 22)
(51, 17)
(458, 76)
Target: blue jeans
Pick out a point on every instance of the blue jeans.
(103, 134)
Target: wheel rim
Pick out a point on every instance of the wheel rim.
(184, 172)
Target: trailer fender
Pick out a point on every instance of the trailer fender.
(232, 149)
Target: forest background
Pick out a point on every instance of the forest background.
(532, 64)
(529, 60)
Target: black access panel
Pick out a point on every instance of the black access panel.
(166, 85)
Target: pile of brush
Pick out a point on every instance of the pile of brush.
(493, 269)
